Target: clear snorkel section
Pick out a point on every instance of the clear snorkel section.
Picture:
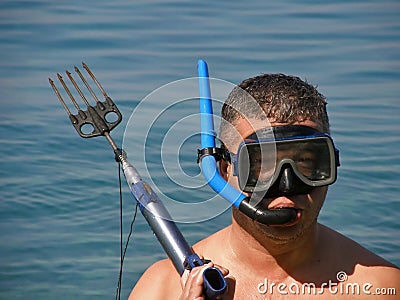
(249, 206)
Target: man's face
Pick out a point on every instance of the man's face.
(308, 206)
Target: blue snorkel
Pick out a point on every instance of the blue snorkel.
(209, 163)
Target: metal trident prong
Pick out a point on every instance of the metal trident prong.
(95, 116)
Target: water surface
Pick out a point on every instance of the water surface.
(59, 207)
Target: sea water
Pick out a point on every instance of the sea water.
(59, 204)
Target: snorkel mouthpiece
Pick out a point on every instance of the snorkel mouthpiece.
(278, 216)
(209, 166)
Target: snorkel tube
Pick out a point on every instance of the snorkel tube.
(209, 163)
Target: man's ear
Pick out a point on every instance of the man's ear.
(224, 169)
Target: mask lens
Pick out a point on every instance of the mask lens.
(312, 159)
(256, 165)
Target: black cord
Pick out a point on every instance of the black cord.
(118, 293)
(130, 231)
(123, 253)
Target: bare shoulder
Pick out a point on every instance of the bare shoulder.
(348, 249)
(360, 264)
(159, 281)
(378, 279)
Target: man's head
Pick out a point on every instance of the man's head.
(283, 99)
(274, 100)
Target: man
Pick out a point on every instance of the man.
(300, 259)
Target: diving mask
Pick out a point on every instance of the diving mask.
(291, 159)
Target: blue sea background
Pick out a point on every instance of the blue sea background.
(59, 205)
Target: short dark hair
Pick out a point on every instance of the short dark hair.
(283, 98)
